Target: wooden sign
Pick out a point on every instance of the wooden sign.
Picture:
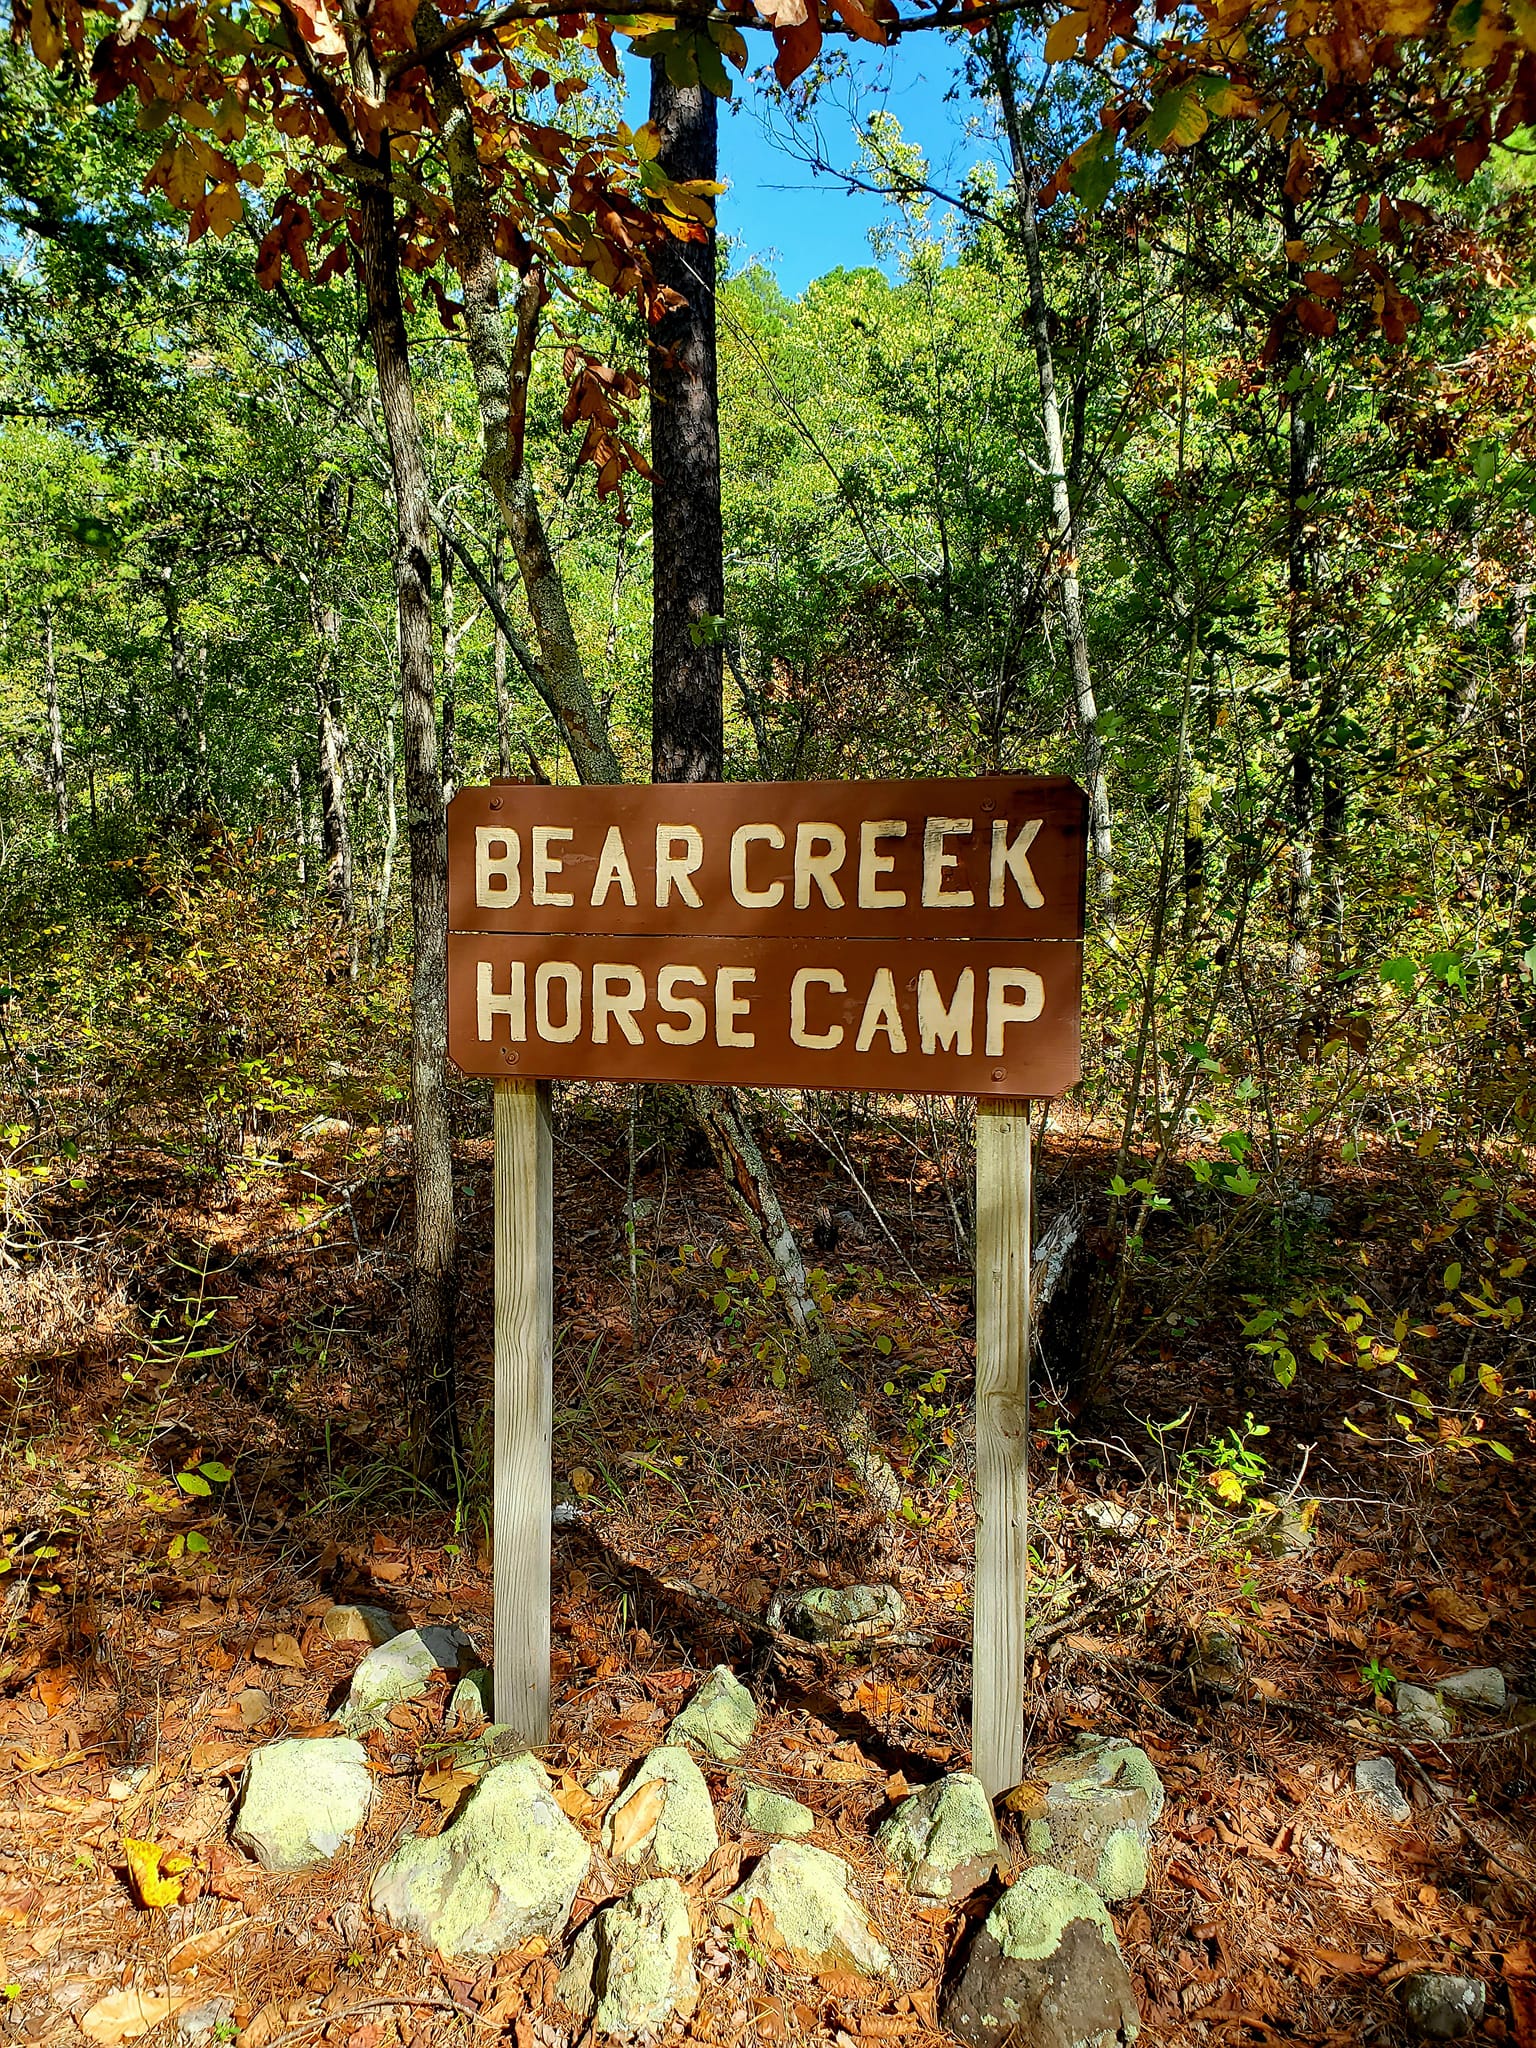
(909, 937)
(912, 937)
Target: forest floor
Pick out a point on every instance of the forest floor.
(253, 1322)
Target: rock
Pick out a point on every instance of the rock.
(838, 1614)
(775, 1813)
(1088, 1813)
(506, 1868)
(470, 1705)
(1045, 1969)
(1109, 1518)
(631, 1969)
(1442, 2008)
(943, 1839)
(1217, 1661)
(400, 1669)
(719, 1719)
(1289, 1531)
(301, 1800)
(197, 2022)
(674, 1822)
(1376, 1782)
(1420, 1713)
(360, 1624)
(1481, 1688)
(602, 1787)
(797, 1902)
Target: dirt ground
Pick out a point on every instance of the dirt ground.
(252, 1327)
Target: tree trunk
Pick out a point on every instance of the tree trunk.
(434, 1273)
(449, 639)
(380, 944)
(1301, 586)
(335, 826)
(1465, 681)
(300, 823)
(499, 664)
(1064, 519)
(56, 782)
(687, 546)
(501, 367)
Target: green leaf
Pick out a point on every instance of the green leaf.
(197, 1544)
(710, 66)
(1451, 1278)
(722, 1302)
(219, 1474)
(191, 1482)
(1178, 119)
(1097, 167)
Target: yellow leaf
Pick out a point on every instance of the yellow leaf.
(647, 143)
(155, 1871)
(1523, 14)
(1406, 17)
(1295, 252)
(1064, 36)
(46, 39)
(582, 1482)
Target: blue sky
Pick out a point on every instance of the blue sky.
(777, 211)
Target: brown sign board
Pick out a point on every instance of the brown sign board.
(908, 937)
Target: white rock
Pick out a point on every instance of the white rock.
(400, 1669)
(1376, 1782)
(1481, 1688)
(301, 1800)
(1420, 1713)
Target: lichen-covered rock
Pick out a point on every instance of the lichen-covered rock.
(1442, 2008)
(470, 1705)
(1289, 1531)
(1088, 1812)
(359, 1624)
(400, 1669)
(664, 1812)
(1045, 1969)
(775, 1813)
(506, 1868)
(631, 1969)
(719, 1719)
(1484, 1687)
(301, 1800)
(837, 1614)
(1376, 1782)
(943, 1840)
(797, 1903)
(1421, 1713)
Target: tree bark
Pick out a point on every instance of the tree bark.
(1064, 519)
(687, 544)
(450, 664)
(380, 943)
(500, 365)
(335, 827)
(300, 823)
(57, 785)
(499, 664)
(434, 1270)
(1301, 548)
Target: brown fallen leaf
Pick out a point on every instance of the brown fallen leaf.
(217, 1756)
(634, 1822)
(198, 1949)
(280, 1649)
(125, 2015)
(447, 1786)
(1456, 1609)
(574, 1799)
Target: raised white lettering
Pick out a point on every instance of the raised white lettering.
(729, 1006)
(799, 1034)
(1001, 1012)
(613, 866)
(617, 992)
(569, 977)
(496, 877)
(948, 1029)
(668, 982)
(545, 865)
(873, 863)
(674, 869)
(1012, 860)
(881, 1013)
(820, 851)
(936, 863)
(743, 837)
(489, 1006)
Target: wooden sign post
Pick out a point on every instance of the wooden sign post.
(916, 937)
